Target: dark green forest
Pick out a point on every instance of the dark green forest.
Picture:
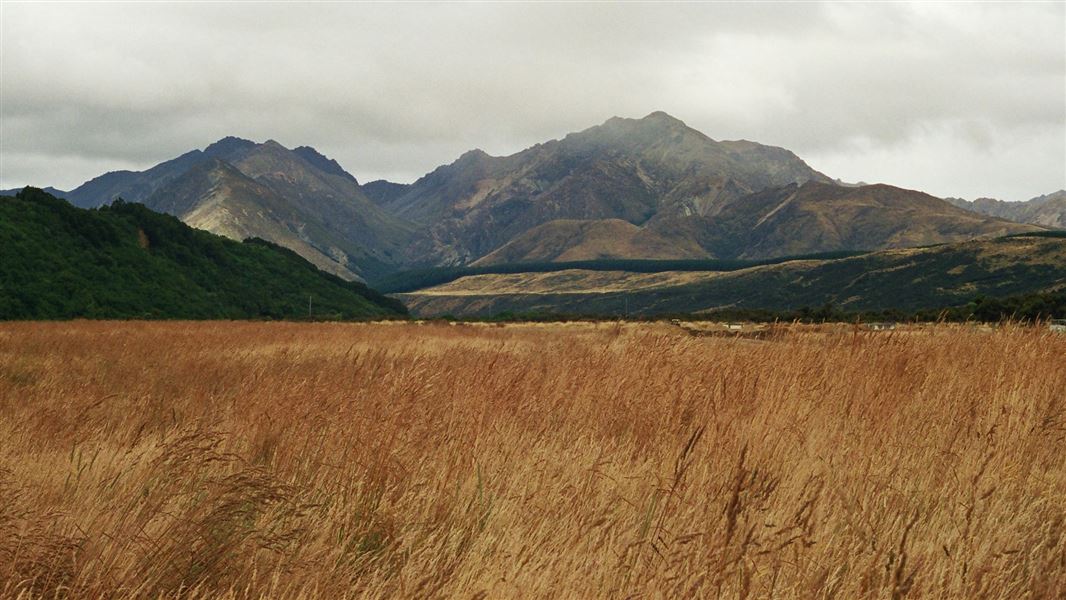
(126, 261)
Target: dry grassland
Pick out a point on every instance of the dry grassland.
(206, 460)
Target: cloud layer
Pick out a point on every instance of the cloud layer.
(964, 100)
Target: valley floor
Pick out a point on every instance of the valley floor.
(530, 460)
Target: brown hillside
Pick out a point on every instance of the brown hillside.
(568, 240)
(820, 217)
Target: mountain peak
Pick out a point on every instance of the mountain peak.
(471, 157)
(227, 146)
(657, 119)
(652, 126)
(322, 162)
(663, 118)
(1059, 195)
(471, 154)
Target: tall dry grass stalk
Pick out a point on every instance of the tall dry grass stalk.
(196, 460)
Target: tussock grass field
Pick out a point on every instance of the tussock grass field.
(284, 460)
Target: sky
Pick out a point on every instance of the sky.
(953, 99)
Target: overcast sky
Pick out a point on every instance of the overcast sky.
(954, 99)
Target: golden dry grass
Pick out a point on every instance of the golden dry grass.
(402, 460)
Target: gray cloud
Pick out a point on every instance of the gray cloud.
(953, 99)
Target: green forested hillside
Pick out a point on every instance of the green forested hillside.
(125, 261)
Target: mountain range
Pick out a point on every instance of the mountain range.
(647, 172)
(1048, 210)
(650, 188)
(298, 199)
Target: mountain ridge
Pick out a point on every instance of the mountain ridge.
(1048, 210)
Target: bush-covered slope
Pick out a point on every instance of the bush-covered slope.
(125, 261)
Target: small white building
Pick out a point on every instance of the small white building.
(1058, 325)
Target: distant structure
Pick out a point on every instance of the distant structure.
(1058, 325)
(887, 326)
(735, 326)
